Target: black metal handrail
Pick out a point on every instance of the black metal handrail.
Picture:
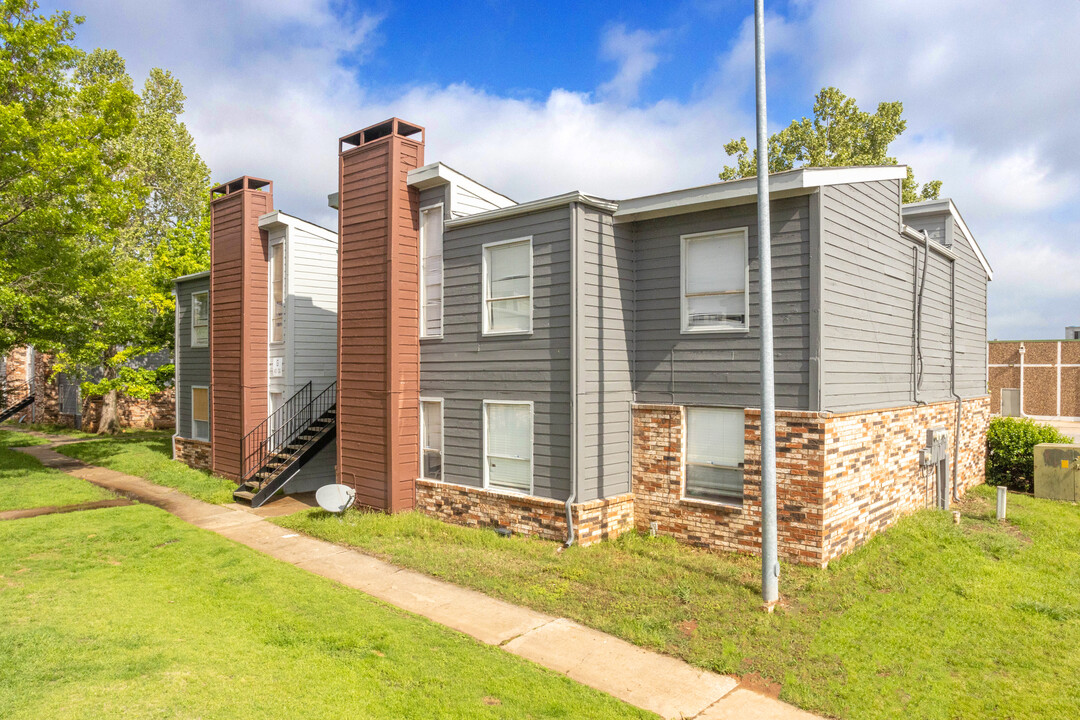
(275, 432)
(11, 394)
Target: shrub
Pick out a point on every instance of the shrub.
(1010, 450)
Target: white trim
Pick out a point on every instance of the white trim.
(442, 436)
(484, 287)
(209, 430)
(176, 364)
(798, 182)
(532, 206)
(442, 274)
(928, 207)
(438, 173)
(683, 319)
(277, 219)
(532, 446)
(191, 340)
(192, 276)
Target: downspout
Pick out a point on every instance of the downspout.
(918, 317)
(575, 375)
(1022, 413)
(956, 395)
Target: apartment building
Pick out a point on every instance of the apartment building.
(575, 367)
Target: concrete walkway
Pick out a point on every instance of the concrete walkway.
(664, 685)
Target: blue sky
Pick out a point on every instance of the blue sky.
(627, 98)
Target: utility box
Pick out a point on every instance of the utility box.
(1057, 471)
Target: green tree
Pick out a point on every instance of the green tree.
(59, 182)
(840, 134)
(165, 234)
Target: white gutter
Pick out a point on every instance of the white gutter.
(176, 369)
(533, 206)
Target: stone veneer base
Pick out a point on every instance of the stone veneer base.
(193, 453)
(525, 514)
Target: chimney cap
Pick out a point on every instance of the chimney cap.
(386, 128)
(244, 182)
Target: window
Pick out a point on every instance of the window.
(508, 440)
(714, 277)
(508, 287)
(431, 240)
(431, 439)
(200, 319)
(277, 292)
(200, 413)
(714, 454)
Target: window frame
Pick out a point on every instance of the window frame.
(424, 334)
(194, 317)
(194, 436)
(484, 299)
(442, 436)
(270, 289)
(683, 496)
(532, 447)
(684, 317)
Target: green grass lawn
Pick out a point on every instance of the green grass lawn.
(52, 429)
(151, 458)
(26, 483)
(929, 620)
(131, 613)
(13, 438)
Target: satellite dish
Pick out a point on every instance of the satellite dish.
(335, 498)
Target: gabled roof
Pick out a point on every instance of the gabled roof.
(192, 276)
(734, 192)
(279, 218)
(533, 206)
(438, 173)
(946, 205)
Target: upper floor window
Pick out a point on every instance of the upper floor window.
(277, 292)
(507, 304)
(431, 242)
(714, 280)
(200, 319)
(715, 442)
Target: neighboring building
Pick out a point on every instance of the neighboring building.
(1072, 332)
(58, 400)
(513, 365)
(1035, 378)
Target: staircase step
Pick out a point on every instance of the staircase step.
(243, 494)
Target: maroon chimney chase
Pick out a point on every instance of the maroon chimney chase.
(378, 400)
(238, 317)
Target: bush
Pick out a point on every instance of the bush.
(1010, 450)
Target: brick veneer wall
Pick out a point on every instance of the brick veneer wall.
(840, 478)
(872, 475)
(658, 480)
(526, 515)
(193, 453)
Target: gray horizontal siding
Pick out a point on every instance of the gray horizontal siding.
(606, 389)
(869, 276)
(312, 308)
(722, 369)
(193, 363)
(465, 368)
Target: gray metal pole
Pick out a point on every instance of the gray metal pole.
(770, 568)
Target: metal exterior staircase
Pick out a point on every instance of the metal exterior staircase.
(14, 398)
(276, 450)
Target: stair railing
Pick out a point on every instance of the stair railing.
(275, 432)
(11, 394)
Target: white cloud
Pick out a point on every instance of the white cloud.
(990, 92)
(635, 53)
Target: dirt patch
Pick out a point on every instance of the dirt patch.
(688, 628)
(53, 509)
(759, 684)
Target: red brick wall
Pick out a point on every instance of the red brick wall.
(525, 515)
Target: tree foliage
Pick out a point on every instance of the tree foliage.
(840, 134)
(103, 200)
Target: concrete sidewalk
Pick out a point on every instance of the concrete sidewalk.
(664, 685)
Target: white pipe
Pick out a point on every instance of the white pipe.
(1022, 413)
